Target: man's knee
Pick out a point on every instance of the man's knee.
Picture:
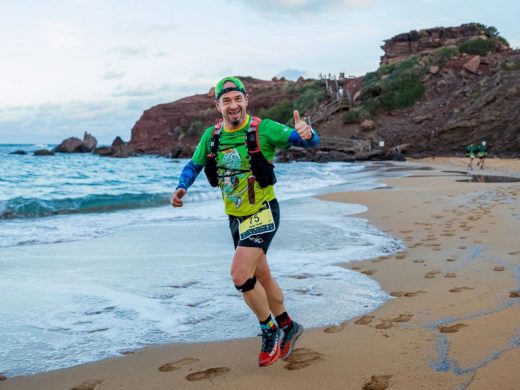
(246, 286)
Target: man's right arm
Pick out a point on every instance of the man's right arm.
(192, 169)
(189, 174)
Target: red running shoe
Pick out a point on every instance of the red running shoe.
(289, 339)
(270, 348)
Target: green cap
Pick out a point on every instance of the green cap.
(220, 90)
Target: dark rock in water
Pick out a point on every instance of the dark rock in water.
(2, 377)
(69, 145)
(89, 142)
(104, 151)
(20, 152)
(119, 149)
(75, 145)
(118, 141)
(43, 152)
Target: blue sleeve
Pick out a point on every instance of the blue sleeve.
(296, 140)
(189, 174)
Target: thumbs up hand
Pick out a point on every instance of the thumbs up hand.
(303, 129)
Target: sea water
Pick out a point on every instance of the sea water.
(94, 262)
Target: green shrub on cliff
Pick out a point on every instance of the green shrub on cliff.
(392, 86)
(440, 57)
(511, 64)
(281, 112)
(308, 99)
(479, 46)
(308, 94)
(403, 92)
(356, 115)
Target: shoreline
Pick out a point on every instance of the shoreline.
(458, 236)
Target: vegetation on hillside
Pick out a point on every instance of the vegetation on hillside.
(308, 94)
(392, 87)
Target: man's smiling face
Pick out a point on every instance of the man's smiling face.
(232, 105)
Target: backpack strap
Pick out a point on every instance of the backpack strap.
(253, 146)
(215, 139)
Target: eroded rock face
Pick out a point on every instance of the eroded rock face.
(404, 45)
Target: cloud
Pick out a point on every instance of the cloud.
(159, 28)
(111, 74)
(61, 36)
(128, 52)
(147, 89)
(302, 7)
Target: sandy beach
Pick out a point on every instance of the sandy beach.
(454, 321)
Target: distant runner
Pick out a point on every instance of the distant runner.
(470, 153)
(237, 154)
(481, 154)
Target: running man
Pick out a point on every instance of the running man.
(481, 154)
(470, 153)
(236, 155)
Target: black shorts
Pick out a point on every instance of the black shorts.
(257, 240)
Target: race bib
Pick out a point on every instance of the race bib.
(258, 223)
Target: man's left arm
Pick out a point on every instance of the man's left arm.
(303, 135)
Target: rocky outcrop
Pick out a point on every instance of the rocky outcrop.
(75, 145)
(119, 149)
(404, 45)
(19, 152)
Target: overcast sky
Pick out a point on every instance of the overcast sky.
(70, 66)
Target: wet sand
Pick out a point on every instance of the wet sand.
(454, 321)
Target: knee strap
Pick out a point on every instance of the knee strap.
(247, 286)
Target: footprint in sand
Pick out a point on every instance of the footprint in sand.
(173, 366)
(405, 317)
(450, 275)
(514, 294)
(451, 328)
(364, 320)
(451, 259)
(400, 256)
(88, 385)
(356, 268)
(369, 271)
(334, 329)
(419, 261)
(301, 358)
(399, 294)
(514, 253)
(431, 274)
(377, 382)
(460, 289)
(207, 374)
(498, 268)
(385, 324)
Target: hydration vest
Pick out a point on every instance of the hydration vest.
(263, 170)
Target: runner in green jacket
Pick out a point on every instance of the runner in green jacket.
(250, 203)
